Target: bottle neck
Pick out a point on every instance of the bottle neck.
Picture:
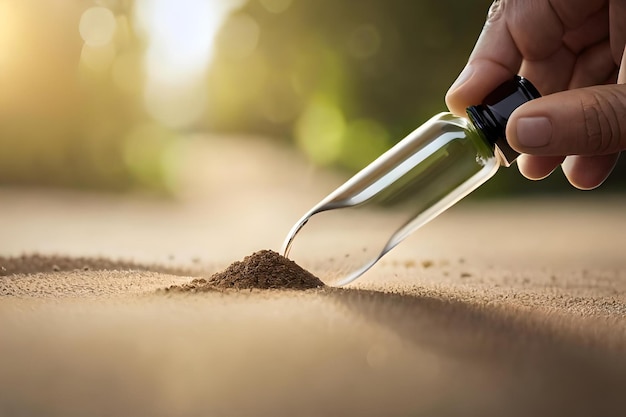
(491, 132)
(491, 117)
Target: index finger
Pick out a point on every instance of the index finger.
(515, 31)
(495, 59)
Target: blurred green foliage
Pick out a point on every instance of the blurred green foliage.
(341, 80)
(345, 79)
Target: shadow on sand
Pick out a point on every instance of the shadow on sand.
(521, 362)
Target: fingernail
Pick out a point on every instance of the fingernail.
(463, 76)
(534, 132)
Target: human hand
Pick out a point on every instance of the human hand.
(573, 52)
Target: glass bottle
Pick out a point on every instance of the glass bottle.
(424, 174)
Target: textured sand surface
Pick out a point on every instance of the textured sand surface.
(509, 308)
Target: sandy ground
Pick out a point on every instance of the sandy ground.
(509, 308)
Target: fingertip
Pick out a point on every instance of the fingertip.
(538, 167)
(575, 179)
(455, 99)
(479, 78)
(588, 172)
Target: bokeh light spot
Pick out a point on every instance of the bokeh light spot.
(276, 6)
(363, 141)
(152, 154)
(364, 42)
(239, 36)
(320, 130)
(280, 109)
(97, 26)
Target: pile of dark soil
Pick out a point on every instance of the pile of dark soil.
(264, 269)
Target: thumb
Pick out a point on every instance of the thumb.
(585, 121)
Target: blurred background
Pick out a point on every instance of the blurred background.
(106, 94)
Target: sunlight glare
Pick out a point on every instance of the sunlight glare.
(181, 37)
(7, 32)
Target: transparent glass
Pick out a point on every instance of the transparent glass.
(431, 169)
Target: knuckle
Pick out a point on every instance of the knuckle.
(496, 10)
(604, 121)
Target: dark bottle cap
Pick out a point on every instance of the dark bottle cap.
(492, 115)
